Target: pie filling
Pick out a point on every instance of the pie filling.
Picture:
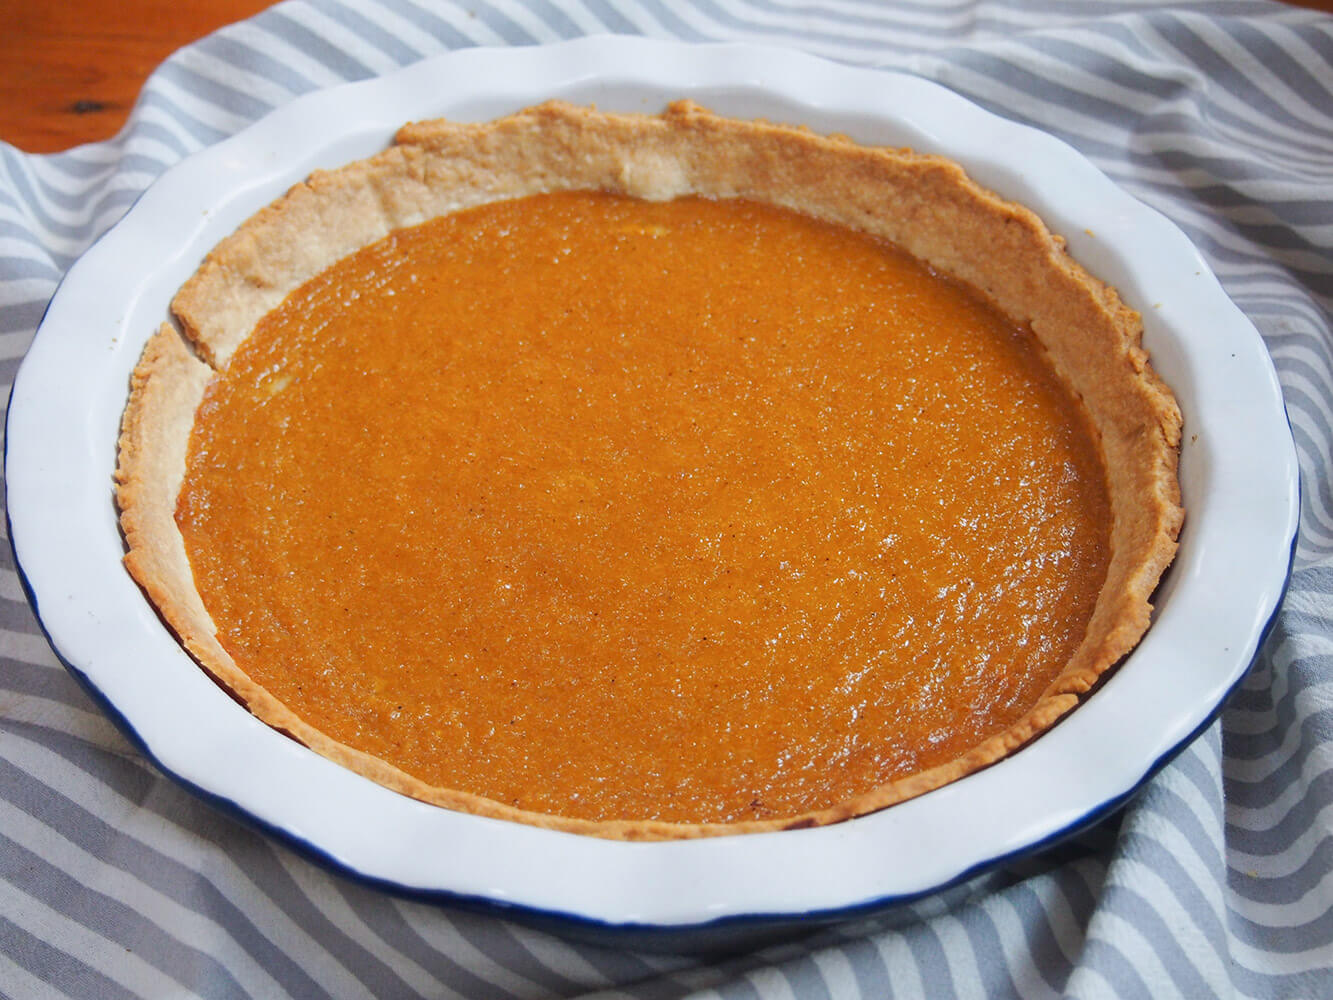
(697, 511)
(650, 476)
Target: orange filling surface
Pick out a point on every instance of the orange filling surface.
(699, 511)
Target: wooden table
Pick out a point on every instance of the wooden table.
(74, 67)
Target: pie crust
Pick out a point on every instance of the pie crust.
(923, 204)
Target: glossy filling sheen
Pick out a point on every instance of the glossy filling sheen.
(698, 511)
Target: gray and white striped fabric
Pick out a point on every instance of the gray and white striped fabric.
(1216, 881)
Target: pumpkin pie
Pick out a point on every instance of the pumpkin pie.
(650, 476)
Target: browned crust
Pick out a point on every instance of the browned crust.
(925, 204)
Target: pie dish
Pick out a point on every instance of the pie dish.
(489, 726)
(1238, 480)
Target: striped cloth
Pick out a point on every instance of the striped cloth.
(1216, 881)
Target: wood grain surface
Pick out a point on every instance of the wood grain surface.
(74, 67)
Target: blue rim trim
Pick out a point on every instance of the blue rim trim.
(682, 937)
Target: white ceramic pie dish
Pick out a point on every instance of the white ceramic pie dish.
(1239, 479)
